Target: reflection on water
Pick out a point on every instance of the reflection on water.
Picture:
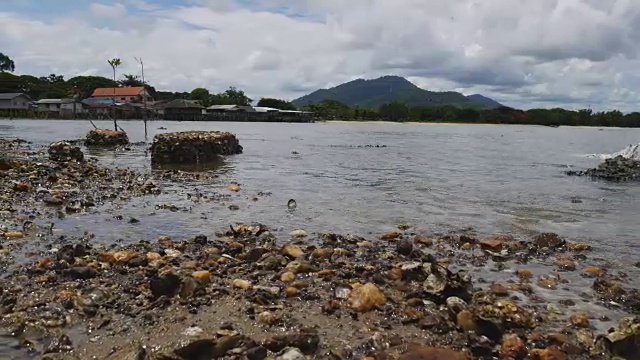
(215, 165)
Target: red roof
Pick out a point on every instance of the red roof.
(123, 91)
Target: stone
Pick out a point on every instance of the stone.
(268, 318)
(287, 277)
(404, 247)
(422, 240)
(615, 169)
(579, 320)
(298, 234)
(80, 272)
(433, 353)
(122, 257)
(366, 297)
(548, 240)
(498, 243)
(550, 353)
(233, 187)
(241, 284)
(466, 321)
(623, 342)
(524, 275)
(499, 290)
(322, 253)
(105, 137)
(306, 343)
(14, 235)
(193, 147)
(292, 251)
(256, 353)
(202, 276)
(391, 235)
(63, 151)
(565, 263)
(165, 285)
(290, 354)
(512, 347)
(593, 271)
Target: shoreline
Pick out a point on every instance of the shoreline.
(250, 291)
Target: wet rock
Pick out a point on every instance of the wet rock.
(499, 290)
(615, 169)
(548, 240)
(306, 343)
(467, 321)
(202, 276)
(404, 247)
(59, 344)
(498, 243)
(256, 353)
(57, 356)
(524, 275)
(298, 234)
(512, 347)
(105, 137)
(63, 151)
(290, 354)
(579, 320)
(593, 271)
(165, 285)
(241, 284)
(433, 353)
(268, 318)
(14, 235)
(422, 240)
(52, 200)
(565, 263)
(391, 235)
(292, 251)
(497, 315)
(80, 273)
(550, 353)
(623, 342)
(193, 147)
(366, 297)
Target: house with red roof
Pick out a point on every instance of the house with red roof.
(131, 94)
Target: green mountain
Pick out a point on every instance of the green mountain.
(387, 89)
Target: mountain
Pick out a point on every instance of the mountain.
(487, 102)
(387, 89)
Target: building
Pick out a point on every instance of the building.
(15, 101)
(68, 106)
(180, 109)
(229, 108)
(123, 94)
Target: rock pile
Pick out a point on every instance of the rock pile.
(63, 151)
(105, 137)
(616, 169)
(193, 147)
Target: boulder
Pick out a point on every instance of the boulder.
(63, 151)
(105, 137)
(193, 147)
(618, 168)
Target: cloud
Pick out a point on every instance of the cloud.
(571, 53)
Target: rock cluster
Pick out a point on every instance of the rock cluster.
(63, 151)
(615, 169)
(106, 137)
(193, 147)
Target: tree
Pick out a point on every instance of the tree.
(276, 104)
(234, 96)
(83, 86)
(130, 80)
(6, 64)
(202, 95)
(114, 63)
(394, 111)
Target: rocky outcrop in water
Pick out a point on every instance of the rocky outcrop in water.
(615, 169)
(106, 137)
(193, 147)
(63, 151)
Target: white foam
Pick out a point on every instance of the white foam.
(630, 152)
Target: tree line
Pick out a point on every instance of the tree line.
(80, 87)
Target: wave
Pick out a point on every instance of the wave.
(630, 152)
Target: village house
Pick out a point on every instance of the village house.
(180, 108)
(229, 108)
(15, 101)
(132, 94)
(61, 106)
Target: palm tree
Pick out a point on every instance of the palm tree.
(114, 63)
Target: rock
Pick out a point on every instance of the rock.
(614, 169)
(499, 290)
(59, 344)
(14, 235)
(466, 321)
(52, 200)
(565, 263)
(623, 342)
(80, 273)
(63, 151)
(241, 284)
(433, 353)
(390, 236)
(299, 267)
(165, 285)
(422, 240)
(298, 234)
(593, 271)
(256, 353)
(548, 240)
(290, 354)
(122, 257)
(512, 347)
(306, 343)
(268, 318)
(524, 275)
(105, 137)
(234, 187)
(366, 297)
(550, 353)
(404, 247)
(580, 320)
(287, 277)
(202, 276)
(292, 251)
(498, 243)
(58, 357)
(193, 147)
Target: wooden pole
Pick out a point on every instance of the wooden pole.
(144, 99)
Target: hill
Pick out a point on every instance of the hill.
(487, 102)
(387, 89)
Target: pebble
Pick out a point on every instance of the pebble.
(580, 320)
(287, 277)
(366, 297)
(512, 347)
(202, 276)
(292, 251)
(241, 284)
(298, 234)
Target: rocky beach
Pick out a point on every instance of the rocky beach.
(252, 291)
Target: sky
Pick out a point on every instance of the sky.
(524, 53)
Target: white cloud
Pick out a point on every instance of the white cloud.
(571, 53)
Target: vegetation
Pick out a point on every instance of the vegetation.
(334, 110)
(392, 89)
(276, 104)
(6, 64)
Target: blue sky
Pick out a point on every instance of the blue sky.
(546, 53)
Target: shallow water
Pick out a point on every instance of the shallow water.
(493, 179)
